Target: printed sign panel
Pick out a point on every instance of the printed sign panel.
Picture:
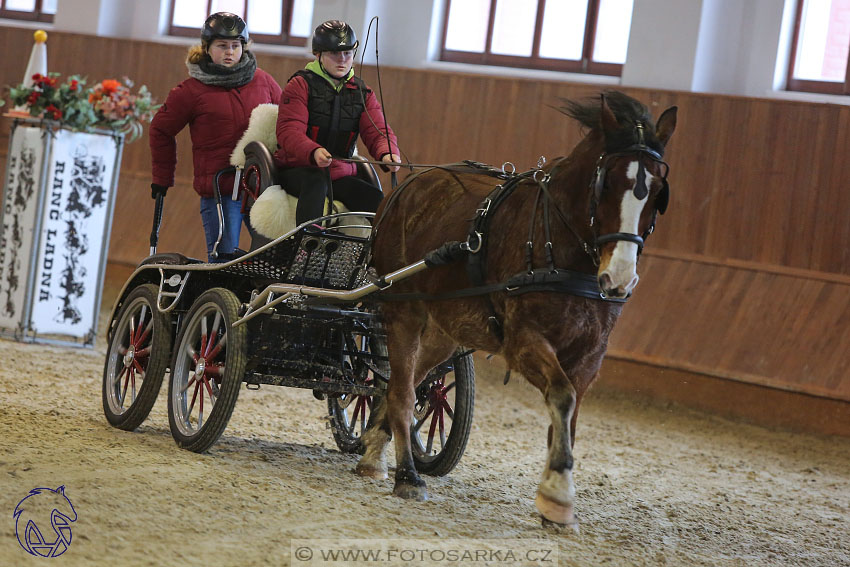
(71, 243)
(19, 213)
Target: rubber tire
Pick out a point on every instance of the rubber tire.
(159, 342)
(339, 421)
(235, 359)
(447, 459)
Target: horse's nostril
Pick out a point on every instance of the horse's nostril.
(605, 283)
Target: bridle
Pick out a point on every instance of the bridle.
(597, 184)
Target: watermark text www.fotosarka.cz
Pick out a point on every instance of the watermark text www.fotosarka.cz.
(439, 552)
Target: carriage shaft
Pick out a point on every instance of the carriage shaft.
(262, 302)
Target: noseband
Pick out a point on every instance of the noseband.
(597, 184)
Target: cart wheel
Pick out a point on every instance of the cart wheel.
(136, 359)
(442, 416)
(349, 413)
(206, 371)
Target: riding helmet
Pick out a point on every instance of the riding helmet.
(224, 25)
(334, 35)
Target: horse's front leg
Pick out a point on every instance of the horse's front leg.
(536, 360)
(556, 492)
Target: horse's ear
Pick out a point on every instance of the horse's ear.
(609, 121)
(666, 124)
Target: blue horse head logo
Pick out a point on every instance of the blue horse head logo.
(40, 508)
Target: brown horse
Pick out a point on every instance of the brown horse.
(586, 217)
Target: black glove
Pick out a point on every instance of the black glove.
(158, 190)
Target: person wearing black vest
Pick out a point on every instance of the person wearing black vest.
(323, 110)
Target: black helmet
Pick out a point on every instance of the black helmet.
(334, 35)
(224, 25)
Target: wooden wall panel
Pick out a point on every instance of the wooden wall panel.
(745, 278)
(780, 328)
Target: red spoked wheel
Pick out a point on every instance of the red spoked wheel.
(442, 416)
(136, 360)
(206, 371)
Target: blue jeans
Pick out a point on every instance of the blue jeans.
(232, 213)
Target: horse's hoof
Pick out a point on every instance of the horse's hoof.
(410, 491)
(370, 471)
(556, 512)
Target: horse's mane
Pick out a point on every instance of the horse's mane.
(628, 112)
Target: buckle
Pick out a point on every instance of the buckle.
(465, 246)
(483, 211)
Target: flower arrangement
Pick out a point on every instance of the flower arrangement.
(116, 105)
(110, 104)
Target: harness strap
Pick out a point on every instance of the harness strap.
(558, 281)
(529, 244)
(476, 265)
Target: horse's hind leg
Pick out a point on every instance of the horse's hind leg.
(537, 361)
(415, 346)
(404, 325)
(401, 396)
(373, 463)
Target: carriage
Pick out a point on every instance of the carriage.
(293, 311)
(533, 266)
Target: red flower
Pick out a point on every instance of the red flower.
(57, 114)
(109, 86)
(36, 77)
(74, 85)
(33, 97)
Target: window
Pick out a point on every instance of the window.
(284, 22)
(583, 36)
(35, 10)
(820, 47)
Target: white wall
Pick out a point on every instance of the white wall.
(719, 54)
(718, 46)
(663, 44)
(132, 19)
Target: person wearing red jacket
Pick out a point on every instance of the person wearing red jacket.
(225, 85)
(323, 110)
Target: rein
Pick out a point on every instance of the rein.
(408, 165)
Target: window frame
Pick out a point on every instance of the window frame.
(36, 15)
(284, 38)
(808, 85)
(534, 61)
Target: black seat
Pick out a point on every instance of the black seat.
(260, 172)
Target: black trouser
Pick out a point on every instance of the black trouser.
(310, 185)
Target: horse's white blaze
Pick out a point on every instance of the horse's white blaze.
(622, 268)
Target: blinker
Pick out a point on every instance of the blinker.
(663, 198)
(640, 185)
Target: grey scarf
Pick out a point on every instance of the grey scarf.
(210, 73)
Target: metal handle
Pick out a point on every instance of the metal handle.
(219, 208)
(157, 221)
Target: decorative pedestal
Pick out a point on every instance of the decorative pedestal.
(58, 199)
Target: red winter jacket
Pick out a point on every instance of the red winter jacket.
(217, 118)
(296, 147)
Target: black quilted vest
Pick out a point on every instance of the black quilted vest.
(334, 120)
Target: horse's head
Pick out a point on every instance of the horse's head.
(628, 185)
